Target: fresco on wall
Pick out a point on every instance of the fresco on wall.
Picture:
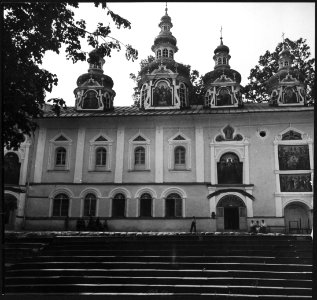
(162, 95)
(91, 100)
(229, 169)
(295, 183)
(293, 157)
(290, 96)
(223, 98)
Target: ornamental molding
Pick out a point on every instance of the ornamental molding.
(304, 136)
(148, 190)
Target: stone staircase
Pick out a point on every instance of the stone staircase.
(168, 266)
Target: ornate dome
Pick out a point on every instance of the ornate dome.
(281, 76)
(221, 48)
(286, 87)
(164, 83)
(212, 76)
(94, 89)
(222, 85)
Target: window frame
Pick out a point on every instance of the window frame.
(60, 205)
(165, 53)
(124, 206)
(281, 141)
(92, 159)
(150, 198)
(103, 157)
(173, 144)
(133, 145)
(54, 144)
(177, 205)
(182, 95)
(95, 199)
(180, 157)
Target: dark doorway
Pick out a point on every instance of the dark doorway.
(231, 218)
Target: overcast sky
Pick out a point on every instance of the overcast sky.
(249, 29)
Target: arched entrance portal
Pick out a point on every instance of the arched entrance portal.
(298, 218)
(231, 214)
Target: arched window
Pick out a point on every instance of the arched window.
(219, 60)
(144, 94)
(101, 156)
(11, 168)
(165, 53)
(173, 205)
(60, 205)
(208, 98)
(180, 157)
(118, 205)
(229, 169)
(90, 205)
(158, 54)
(146, 205)
(224, 60)
(171, 54)
(286, 63)
(182, 95)
(60, 158)
(106, 100)
(139, 156)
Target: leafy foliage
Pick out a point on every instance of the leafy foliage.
(31, 29)
(256, 90)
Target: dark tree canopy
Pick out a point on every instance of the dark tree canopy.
(256, 90)
(31, 29)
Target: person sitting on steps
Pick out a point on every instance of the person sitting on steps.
(263, 227)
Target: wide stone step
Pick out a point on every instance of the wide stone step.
(191, 244)
(179, 252)
(163, 288)
(171, 258)
(158, 280)
(164, 265)
(179, 296)
(160, 273)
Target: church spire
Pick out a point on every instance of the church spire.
(165, 43)
(221, 56)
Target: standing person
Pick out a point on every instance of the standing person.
(193, 225)
(263, 227)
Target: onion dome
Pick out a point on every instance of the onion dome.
(221, 48)
(222, 85)
(286, 87)
(94, 88)
(164, 84)
(164, 45)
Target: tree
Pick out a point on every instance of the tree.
(256, 90)
(31, 29)
(195, 94)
